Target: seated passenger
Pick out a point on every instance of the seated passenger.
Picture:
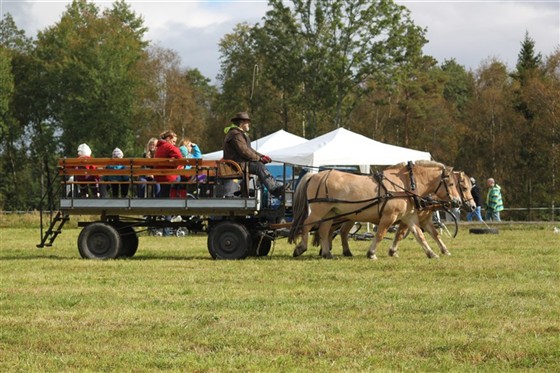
(122, 180)
(189, 150)
(166, 149)
(148, 190)
(87, 190)
(237, 147)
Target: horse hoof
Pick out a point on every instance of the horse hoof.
(300, 249)
(347, 254)
(372, 256)
(433, 256)
(393, 253)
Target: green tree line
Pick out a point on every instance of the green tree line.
(308, 67)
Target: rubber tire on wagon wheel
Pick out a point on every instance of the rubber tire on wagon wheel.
(483, 231)
(99, 241)
(229, 240)
(263, 249)
(129, 240)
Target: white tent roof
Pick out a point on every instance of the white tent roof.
(264, 145)
(345, 148)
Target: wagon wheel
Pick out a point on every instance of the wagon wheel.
(129, 239)
(99, 241)
(260, 247)
(229, 240)
(181, 232)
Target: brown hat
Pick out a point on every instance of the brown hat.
(243, 115)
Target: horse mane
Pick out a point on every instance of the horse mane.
(423, 163)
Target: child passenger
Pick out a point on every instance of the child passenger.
(91, 189)
(121, 181)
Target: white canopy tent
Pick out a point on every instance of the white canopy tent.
(342, 147)
(264, 145)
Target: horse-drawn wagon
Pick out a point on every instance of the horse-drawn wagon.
(222, 200)
(214, 197)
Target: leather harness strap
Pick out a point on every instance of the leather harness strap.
(410, 167)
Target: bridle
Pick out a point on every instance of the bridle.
(427, 202)
(461, 178)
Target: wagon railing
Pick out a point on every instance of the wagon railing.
(195, 175)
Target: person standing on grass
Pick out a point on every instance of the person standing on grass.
(494, 203)
(477, 196)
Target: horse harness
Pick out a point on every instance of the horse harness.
(420, 203)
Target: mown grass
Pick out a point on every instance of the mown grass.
(492, 306)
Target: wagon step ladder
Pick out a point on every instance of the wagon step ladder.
(54, 230)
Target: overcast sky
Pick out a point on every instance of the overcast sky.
(469, 31)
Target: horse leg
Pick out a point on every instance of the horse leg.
(301, 247)
(317, 239)
(325, 237)
(431, 229)
(344, 231)
(381, 231)
(399, 235)
(415, 229)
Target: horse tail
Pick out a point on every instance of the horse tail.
(300, 208)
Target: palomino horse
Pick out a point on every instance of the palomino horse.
(462, 181)
(425, 216)
(395, 195)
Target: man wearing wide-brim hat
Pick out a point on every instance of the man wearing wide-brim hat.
(237, 147)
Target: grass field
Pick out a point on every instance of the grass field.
(494, 305)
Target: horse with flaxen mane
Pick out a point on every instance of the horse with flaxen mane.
(464, 185)
(396, 194)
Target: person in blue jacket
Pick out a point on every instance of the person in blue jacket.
(122, 181)
(189, 150)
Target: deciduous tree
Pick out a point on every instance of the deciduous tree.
(89, 61)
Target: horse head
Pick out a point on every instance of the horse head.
(451, 187)
(464, 186)
(440, 183)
